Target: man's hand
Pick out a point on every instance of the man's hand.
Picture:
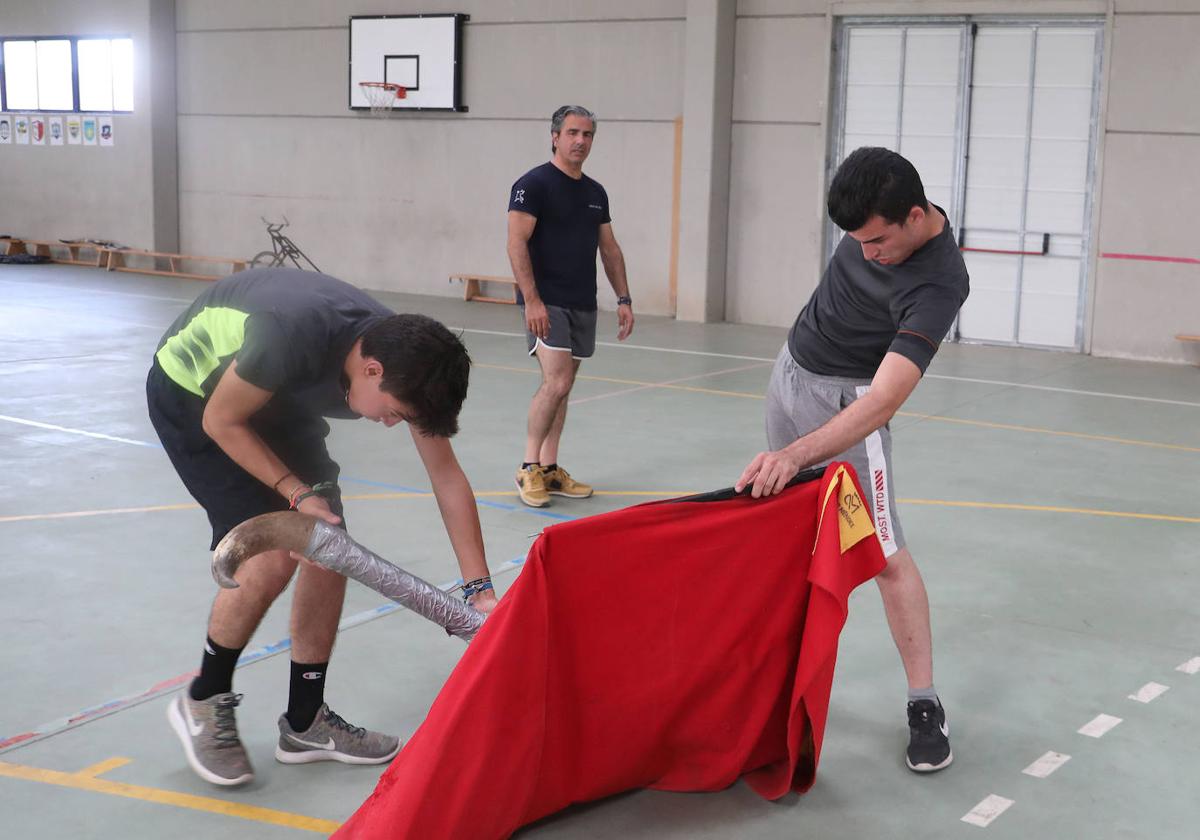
(537, 320)
(316, 506)
(484, 601)
(770, 472)
(624, 321)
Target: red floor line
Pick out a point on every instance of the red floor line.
(1151, 258)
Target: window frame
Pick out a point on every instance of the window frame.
(74, 40)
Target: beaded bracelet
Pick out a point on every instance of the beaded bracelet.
(318, 489)
(474, 587)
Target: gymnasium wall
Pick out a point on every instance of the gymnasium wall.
(1149, 185)
(124, 193)
(263, 129)
(400, 203)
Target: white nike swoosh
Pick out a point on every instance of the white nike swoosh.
(193, 727)
(328, 745)
(945, 730)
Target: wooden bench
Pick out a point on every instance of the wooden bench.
(472, 287)
(1188, 337)
(115, 261)
(52, 249)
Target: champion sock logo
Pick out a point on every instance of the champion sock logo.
(208, 649)
(312, 675)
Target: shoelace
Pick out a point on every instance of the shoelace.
(920, 717)
(337, 721)
(224, 726)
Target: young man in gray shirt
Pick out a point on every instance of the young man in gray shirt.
(855, 353)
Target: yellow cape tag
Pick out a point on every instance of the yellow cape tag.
(854, 520)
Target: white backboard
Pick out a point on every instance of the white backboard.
(423, 53)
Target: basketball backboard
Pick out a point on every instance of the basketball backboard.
(422, 53)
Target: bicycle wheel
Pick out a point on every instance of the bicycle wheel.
(264, 259)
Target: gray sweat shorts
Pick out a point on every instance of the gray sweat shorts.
(799, 402)
(570, 329)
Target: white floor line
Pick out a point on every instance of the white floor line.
(70, 431)
(108, 292)
(1046, 765)
(1150, 691)
(987, 810)
(1192, 666)
(999, 382)
(1097, 726)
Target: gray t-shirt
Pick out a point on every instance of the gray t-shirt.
(289, 330)
(860, 311)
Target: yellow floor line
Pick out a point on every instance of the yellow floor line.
(83, 781)
(102, 767)
(638, 382)
(942, 419)
(1014, 428)
(1051, 509)
(661, 494)
(103, 512)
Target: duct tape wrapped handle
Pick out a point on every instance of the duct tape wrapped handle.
(333, 549)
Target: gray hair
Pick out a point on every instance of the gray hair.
(559, 116)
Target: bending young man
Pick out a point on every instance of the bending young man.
(557, 218)
(855, 353)
(238, 392)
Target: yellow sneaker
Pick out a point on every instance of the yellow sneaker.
(531, 486)
(560, 483)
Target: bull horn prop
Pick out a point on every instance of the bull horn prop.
(332, 548)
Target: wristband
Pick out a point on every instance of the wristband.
(317, 489)
(624, 300)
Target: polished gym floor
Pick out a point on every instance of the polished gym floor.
(1049, 498)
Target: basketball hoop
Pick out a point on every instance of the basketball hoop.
(382, 96)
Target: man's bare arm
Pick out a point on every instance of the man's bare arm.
(895, 379)
(614, 267)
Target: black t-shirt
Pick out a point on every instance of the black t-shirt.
(860, 311)
(289, 330)
(569, 213)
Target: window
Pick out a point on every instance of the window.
(66, 74)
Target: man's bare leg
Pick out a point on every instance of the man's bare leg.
(558, 377)
(236, 613)
(907, 607)
(549, 450)
(316, 610)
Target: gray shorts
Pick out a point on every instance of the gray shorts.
(570, 329)
(799, 402)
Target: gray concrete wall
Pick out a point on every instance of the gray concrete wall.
(124, 192)
(401, 203)
(1149, 185)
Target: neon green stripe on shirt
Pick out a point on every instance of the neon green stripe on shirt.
(191, 355)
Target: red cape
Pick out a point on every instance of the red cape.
(675, 645)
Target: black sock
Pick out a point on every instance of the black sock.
(549, 468)
(216, 671)
(306, 694)
(527, 464)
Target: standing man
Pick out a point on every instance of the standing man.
(557, 217)
(238, 392)
(855, 353)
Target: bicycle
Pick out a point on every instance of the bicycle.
(282, 248)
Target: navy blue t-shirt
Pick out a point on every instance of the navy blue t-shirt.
(569, 213)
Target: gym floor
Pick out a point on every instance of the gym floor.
(1049, 499)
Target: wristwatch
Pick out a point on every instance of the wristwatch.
(624, 300)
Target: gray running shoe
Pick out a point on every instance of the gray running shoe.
(330, 738)
(208, 731)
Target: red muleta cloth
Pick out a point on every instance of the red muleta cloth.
(676, 645)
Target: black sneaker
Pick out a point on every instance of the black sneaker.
(928, 737)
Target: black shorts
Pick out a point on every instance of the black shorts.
(229, 494)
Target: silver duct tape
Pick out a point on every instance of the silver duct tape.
(334, 549)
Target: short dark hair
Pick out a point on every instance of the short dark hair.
(424, 366)
(874, 181)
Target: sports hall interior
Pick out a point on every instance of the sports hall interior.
(1046, 466)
